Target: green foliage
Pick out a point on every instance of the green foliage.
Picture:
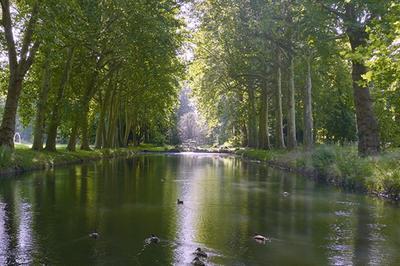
(6, 156)
(323, 158)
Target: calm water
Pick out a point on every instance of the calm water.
(45, 217)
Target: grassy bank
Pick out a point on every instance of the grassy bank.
(24, 159)
(341, 166)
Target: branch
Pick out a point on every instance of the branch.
(30, 28)
(6, 21)
(32, 53)
(331, 10)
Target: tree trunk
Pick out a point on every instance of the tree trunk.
(279, 138)
(367, 125)
(368, 132)
(252, 136)
(112, 117)
(292, 142)
(263, 135)
(7, 129)
(308, 118)
(128, 128)
(88, 95)
(267, 122)
(55, 118)
(73, 136)
(98, 144)
(243, 130)
(85, 126)
(41, 108)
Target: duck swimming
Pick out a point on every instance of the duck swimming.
(200, 253)
(153, 239)
(94, 235)
(260, 238)
(178, 201)
(285, 194)
(196, 261)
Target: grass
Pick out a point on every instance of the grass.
(342, 166)
(23, 158)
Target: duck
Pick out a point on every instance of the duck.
(197, 262)
(154, 239)
(285, 194)
(179, 202)
(260, 238)
(94, 235)
(200, 253)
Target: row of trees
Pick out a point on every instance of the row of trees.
(259, 64)
(89, 71)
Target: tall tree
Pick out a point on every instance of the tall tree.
(356, 17)
(19, 63)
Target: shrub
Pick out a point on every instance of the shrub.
(6, 156)
(353, 169)
(323, 158)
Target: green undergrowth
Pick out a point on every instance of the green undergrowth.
(341, 166)
(23, 158)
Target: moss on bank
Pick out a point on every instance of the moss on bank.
(23, 158)
(341, 166)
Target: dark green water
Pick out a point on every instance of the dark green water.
(45, 217)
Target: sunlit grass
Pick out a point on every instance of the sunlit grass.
(24, 158)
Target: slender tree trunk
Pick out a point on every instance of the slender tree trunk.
(308, 117)
(292, 142)
(73, 136)
(128, 127)
(98, 144)
(279, 138)
(263, 138)
(243, 129)
(88, 94)
(85, 126)
(267, 122)
(41, 107)
(252, 127)
(55, 117)
(111, 129)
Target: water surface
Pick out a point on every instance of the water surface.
(45, 217)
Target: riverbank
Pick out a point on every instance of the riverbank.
(23, 159)
(340, 166)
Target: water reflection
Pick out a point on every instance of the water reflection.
(3, 234)
(24, 248)
(46, 216)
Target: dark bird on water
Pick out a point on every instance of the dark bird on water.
(178, 201)
(197, 262)
(94, 235)
(260, 238)
(154, 239)
(200, 253)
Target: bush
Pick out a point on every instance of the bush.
(323, 158)
(159, 139)
(6, 156)
(353, 169)
(386, 180)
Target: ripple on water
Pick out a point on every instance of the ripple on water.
(343, 213)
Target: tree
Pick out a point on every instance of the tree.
(19, 63)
